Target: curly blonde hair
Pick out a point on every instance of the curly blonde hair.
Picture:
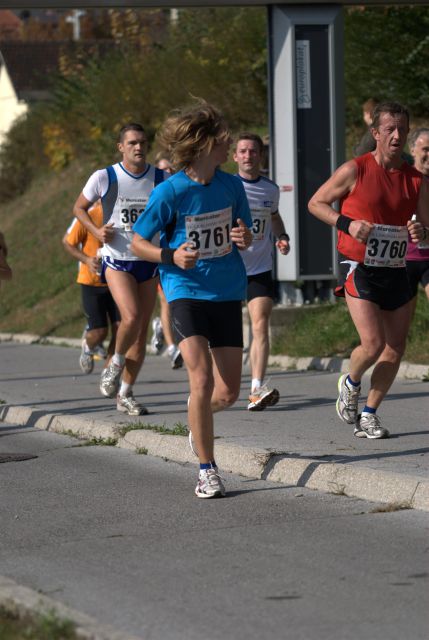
(191, 132)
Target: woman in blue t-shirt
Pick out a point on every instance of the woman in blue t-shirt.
(204, 221)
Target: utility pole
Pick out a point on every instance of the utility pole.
(74, 19)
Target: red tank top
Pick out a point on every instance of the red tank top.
(379, 196)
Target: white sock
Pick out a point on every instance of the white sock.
(86, 348)
(118, 360)
(125, 388)
(256, 384)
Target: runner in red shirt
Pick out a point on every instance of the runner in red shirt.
(378, 194)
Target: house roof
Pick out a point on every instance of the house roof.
(32, 66)
(8, 21)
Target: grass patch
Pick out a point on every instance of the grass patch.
(35, 626)
(179, 429)
(101, 442)
(142, 451)
(2, 401)
(91, 442)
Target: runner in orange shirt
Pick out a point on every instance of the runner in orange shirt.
(97, 301)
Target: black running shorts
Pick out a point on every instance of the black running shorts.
(260, 285)
(386, 287)
(98, 306)
(220, 322)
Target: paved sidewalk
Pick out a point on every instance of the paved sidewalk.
(300, 442)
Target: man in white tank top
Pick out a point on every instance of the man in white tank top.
(124, 189)
(263, 197)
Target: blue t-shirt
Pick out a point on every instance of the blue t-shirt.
(185, 210)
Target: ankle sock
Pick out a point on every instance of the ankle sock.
(118, 360)
(207, 465)
(256, 384)
(125, 388)
(352, 382)
(367, 409)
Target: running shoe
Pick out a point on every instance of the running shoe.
(157, 341)
(262, 398)
(210, 484)
(347, 403)
(176, 359)
(128, 404)
(368, 426)
(99, 352)
(109, 381)
(86, 358)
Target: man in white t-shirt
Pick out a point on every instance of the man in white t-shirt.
(124, 189)
(263, 197)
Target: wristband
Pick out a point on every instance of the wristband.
(343, 223)
(167, 256)
(284, 235)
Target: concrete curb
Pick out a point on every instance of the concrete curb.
(399, 490)
(407, 370)
(21, 600)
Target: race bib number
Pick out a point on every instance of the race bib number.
(260, 227)
(210, 233)
(129, 210)
(386, 246)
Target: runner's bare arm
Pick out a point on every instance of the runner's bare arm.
(91, 262)
(418, 232)
(241, 235)
(184, 256)
(279, 231)
(336, 187)
(80, 210)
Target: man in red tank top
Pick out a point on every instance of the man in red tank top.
(378, 194)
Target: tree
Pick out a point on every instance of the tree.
(387, 56)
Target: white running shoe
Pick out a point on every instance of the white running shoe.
(176, 359)
(210, 484)
(347, 402)
(86, 358)
(368, 426)
(128, 404)
(158, 340)
(110, 379)
(262, 398)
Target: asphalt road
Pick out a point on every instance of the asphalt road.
(121, 537)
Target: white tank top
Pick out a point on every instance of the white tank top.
(124, 196)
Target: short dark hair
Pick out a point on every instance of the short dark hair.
(129, 126)
(246, 135)
(393, 108)
(416, 133)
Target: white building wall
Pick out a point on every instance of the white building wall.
(10, 107)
